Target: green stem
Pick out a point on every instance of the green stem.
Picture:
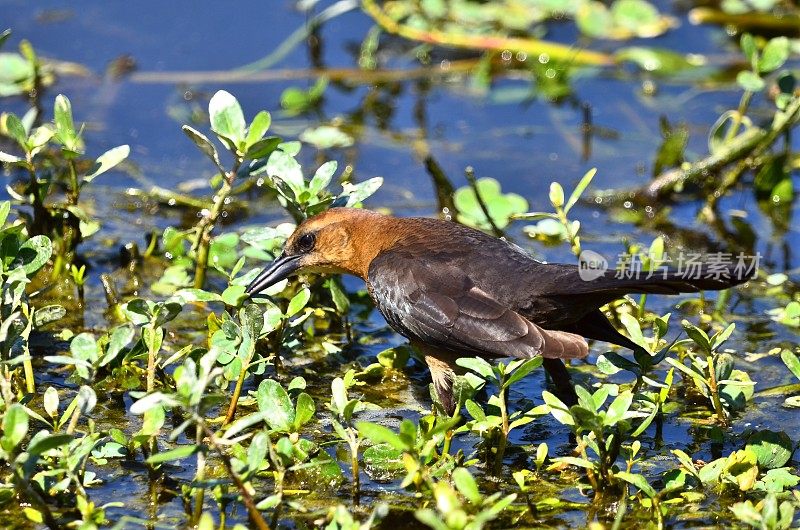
(744, 102)
(572, 237)
(237, 391)
(448, 438)
(199, 476)
(74, 192)
(501, 446)
(255, 515)
(714, 389)
(354, 443)
(151, 365)
(204, 228)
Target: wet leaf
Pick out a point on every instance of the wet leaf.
(179, 453)
(639, 481)
(107, 161)
(305, 410)
(204, 144)
(51, 401)
(258, 128)
(772, 449)
(15, 427)
(522, 370)
(34, 253)
(501, 206)
(466, 485)
(774, 54)
(326, 137)
(792, 362)
(750, 81)
(298, 302)
(477, 365)
(274, 402)
(384, 458)
(357, 193)
(378, 434)
(227, 118)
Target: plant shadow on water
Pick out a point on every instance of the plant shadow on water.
(146, 187)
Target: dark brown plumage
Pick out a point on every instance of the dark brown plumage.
(454, 291)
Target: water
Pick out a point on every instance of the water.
(523, 141)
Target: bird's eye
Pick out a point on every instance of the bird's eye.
(306, 242)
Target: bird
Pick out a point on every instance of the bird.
(454, 291)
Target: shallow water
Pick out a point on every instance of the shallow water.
(523, 142)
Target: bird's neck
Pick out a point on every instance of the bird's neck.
(372, 235)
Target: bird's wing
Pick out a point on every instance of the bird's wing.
(436, 303)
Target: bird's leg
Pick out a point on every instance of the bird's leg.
(560, 376)
(443, 377)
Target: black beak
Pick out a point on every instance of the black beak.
(278, 270)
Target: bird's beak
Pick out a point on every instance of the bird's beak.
(278, 270)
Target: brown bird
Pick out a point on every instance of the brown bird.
(454, 291)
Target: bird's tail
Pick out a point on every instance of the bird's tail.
(702, 277)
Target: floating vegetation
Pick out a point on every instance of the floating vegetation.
(299, 408)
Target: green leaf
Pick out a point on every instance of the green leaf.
(750, 81)
(477, 365)
(697, 335)
(522, 370)
(10, 159)
(475, 410)
(120, 337)
(48, 443)
(636, 16)
(634, 330)
(258, 128)
(34, 253)
(65, 127)
(774, 54)
(179, 453)
(748, 45)
(16, 130)
(107, 160)
(84, 347)
(227, 118)
(792, 362)
(326, 137)
(15, 427)
(51, 401)
(263, 147)
(501, 206)
(378, 434)
(322, 177)
(594, 19)
(283, 166)
(429, 518)
(384, 457)
(298, 302)
(273, 400)
(305, 410)
(204, 144)
(556, 195)
(579, 189)
(618, 408)
(185, 296)
(637, 480)
(773, 449)
(357, 193)
(466, 484)
(558, 409)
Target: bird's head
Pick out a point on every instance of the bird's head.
(339, 240)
